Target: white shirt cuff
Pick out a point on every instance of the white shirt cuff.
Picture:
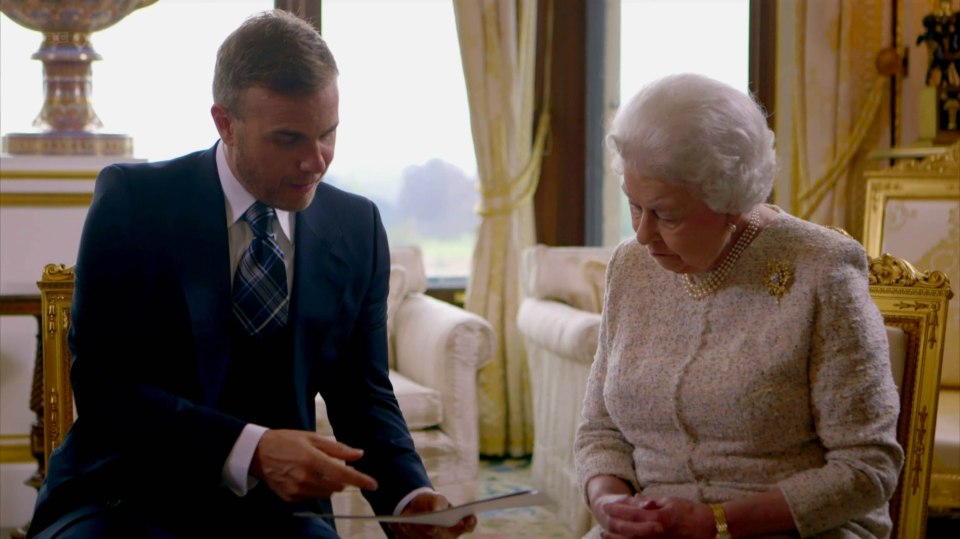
(236, 469)
(409, 497)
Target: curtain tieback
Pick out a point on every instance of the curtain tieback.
(505, 199)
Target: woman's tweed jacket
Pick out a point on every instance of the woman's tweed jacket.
(736, 393)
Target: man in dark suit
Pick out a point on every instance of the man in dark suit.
(216, 295)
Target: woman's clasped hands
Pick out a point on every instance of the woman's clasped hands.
(623, 517)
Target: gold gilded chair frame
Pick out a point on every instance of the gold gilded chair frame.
(915, 302)
(934, 178)
(56, 296)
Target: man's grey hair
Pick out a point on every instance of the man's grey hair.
(701, 134)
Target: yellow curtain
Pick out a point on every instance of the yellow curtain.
(839, 107)
(498, 50)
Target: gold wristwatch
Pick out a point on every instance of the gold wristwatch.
(721, 520)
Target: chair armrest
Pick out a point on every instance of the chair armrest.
(431, 332)
(442, 346)
(560, 328)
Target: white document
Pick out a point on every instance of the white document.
(450, 516)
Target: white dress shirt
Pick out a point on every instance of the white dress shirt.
(236, 469)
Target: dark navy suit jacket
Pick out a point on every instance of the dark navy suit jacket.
(151, 329)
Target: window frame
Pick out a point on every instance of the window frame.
(579, 97)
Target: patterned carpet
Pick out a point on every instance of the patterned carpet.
(496, 477)
(502, 477)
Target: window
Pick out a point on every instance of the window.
(404, 138)
(661, 37)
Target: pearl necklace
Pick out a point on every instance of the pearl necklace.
(701, 288)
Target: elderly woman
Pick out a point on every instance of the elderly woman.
(742, 384)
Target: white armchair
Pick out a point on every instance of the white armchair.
(559, 318)
(435, 351)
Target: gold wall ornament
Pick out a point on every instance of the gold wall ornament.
(941, 100)
(935, 178)
(778, 277)
(942, 162)
(891, 62)
(67, 123)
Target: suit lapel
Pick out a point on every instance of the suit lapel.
(205, 263)
(320, 271)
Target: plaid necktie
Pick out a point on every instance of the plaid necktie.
(260, 300)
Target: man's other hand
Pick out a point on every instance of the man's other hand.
(300, 465)
(429, 502)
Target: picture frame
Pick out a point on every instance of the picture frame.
(933, 179)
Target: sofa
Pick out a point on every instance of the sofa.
(436, 349)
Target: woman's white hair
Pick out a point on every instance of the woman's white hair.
(701, 134)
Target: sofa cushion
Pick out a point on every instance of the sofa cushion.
(898, 353)
(421, 406)
(558, 273)
(410, 258)
(398, 283)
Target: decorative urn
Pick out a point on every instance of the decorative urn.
(67, 124)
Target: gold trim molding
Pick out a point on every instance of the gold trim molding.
(939, 163)
(47, 199)
(54, 143)
(44, 200)
(15, 449)
(48, 174)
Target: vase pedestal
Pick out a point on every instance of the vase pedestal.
(78, 143)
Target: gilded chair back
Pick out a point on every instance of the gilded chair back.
(913, 209)
(916, 303)
(56, 296)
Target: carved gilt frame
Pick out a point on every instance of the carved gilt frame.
(56, 297)
(935, 178)
(915, 302)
